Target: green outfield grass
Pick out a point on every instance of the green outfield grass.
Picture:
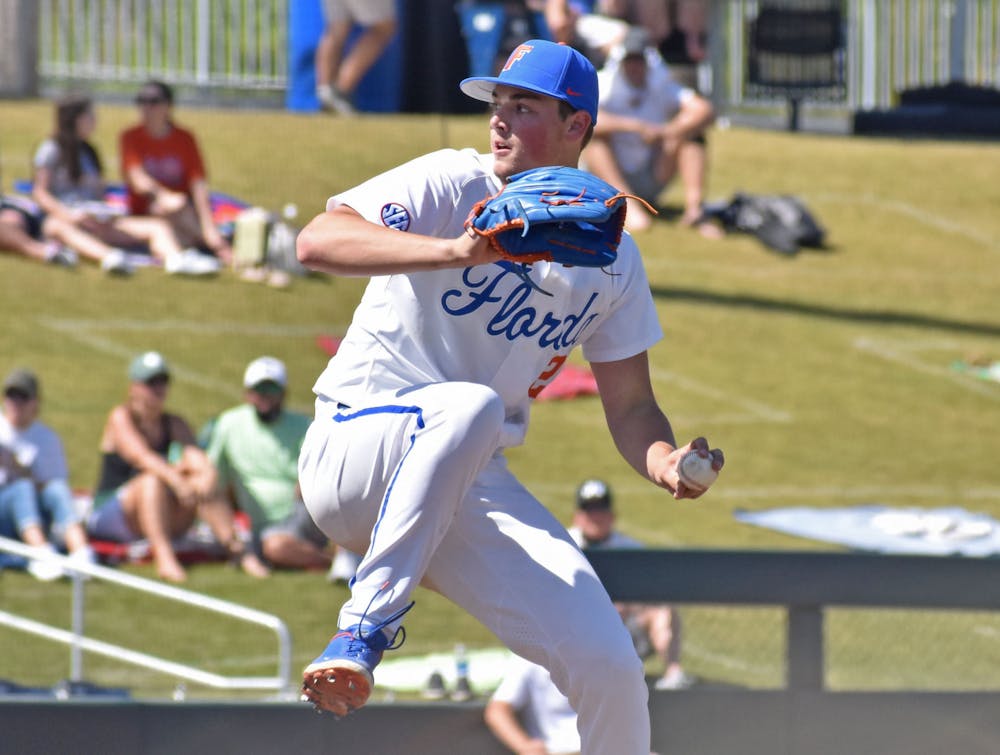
(826, 378)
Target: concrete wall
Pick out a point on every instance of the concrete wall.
(691, 722)
(18, 48)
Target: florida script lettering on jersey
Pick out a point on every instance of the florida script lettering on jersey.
(513, 318)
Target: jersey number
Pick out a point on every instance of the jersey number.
(546, 377)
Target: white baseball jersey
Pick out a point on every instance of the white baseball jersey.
(480, 324)
(402, 461)
(657, 102)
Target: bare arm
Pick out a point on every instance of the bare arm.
(202, 205)
(560, 20)
(123, 437)
(201, 199)
(695, 116)
(612, 123)
(342, 242)
(141, 182)
(641, 431)
(501, 718)
(40, 192)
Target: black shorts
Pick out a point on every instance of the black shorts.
(31, 214)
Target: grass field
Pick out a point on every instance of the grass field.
(826, 378)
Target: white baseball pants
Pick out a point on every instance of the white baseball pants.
(417, 486)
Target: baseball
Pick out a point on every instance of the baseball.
(696, 471)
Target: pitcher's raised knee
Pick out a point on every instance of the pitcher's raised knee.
(475, 413)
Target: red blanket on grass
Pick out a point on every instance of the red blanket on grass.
(195, 546)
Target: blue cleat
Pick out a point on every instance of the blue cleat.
(341, 679)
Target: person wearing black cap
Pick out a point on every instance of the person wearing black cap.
(404, 460)
(655, 628)
(650, 129)
(36, 452)
(155, 480)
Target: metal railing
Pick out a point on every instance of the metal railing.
(239, 44)
(80, 572)
(216, 45)
(806, 583)
(889, 46)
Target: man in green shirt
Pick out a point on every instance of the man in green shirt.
(255, 447)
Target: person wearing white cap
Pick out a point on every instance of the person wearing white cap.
(404, 460)
(255, 447)
(155, 480)
(651, 129)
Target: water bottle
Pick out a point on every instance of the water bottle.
(463, 691)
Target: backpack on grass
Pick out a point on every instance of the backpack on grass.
(782, 223)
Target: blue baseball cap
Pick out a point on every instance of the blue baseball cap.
(555, 70)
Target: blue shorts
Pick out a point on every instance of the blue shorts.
(107, 520)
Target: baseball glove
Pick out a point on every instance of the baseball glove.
(557, 214)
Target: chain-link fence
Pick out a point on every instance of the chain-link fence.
(865, 649)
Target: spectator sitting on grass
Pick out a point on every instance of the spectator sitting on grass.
(338, 74)
(165, 175)
(69, 187)
(255, 447)
(37, 451)
(649, 130)
(655, 627)
(529, 715)
(155, 480)
(21, 233)
(19, 516)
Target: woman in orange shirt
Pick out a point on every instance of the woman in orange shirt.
(164, 173)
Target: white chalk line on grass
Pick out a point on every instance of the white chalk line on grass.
(900, 352)
(90, 333)
(991, 633)
(941, 494)
(594, 418)
(945, 494)
(752, 410)
(920, 214)
(189, 326)
(87, 332)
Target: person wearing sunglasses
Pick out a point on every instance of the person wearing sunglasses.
(69, 188)
(165, 176)
(155, 480)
